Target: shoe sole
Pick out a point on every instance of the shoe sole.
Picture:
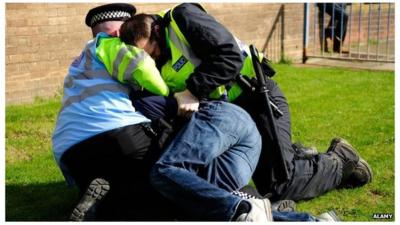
(369, 169)
(96, 191)
(284, 206)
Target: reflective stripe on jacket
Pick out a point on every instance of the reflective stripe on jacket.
(130, 65)
(93, 102)
(183, 62)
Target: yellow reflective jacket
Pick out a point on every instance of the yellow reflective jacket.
(130, 65)
(183, 62)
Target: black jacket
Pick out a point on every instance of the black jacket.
(213, 44)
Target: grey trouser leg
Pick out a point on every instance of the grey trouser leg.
(308, 177)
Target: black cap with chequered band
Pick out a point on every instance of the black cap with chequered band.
(109, 12)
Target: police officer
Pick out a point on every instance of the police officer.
(99, 134)
(199, 58)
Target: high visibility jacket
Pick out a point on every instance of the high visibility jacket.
(93, 102)
(183, 62)
(131, 65)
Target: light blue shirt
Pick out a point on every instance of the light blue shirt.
(93, 103)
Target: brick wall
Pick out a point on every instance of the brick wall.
(43, 38)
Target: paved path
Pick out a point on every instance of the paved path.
(350, 64)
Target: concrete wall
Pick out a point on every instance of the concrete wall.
(43, 38)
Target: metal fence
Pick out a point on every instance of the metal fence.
(357, 31)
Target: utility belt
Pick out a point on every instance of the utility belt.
(160, 130)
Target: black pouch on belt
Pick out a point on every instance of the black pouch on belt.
(164, 131)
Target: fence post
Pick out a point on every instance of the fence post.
(306, 30)
(367, 20)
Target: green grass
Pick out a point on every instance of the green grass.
(356, 105)
(325, 102)
(35, 190)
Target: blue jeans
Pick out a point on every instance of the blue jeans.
(293, 216)
(215, 153)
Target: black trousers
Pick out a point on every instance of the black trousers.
(308, 177)
(123, 157)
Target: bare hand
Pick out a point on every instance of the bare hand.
(187, 103)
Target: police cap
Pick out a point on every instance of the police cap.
(109, 12)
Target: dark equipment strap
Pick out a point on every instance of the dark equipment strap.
(270, 112)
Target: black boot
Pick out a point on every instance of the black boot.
(356, 171)
(86, 208)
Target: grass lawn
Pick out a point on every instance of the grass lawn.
(325, 102)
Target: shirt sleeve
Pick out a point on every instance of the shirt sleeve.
(131, 65)
(213, 44)
(156, 107)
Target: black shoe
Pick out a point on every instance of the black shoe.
(343, 150)
(86, 208)
(284, 206)
(356, 171)
(361, 175)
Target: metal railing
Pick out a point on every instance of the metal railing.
(357, 31)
